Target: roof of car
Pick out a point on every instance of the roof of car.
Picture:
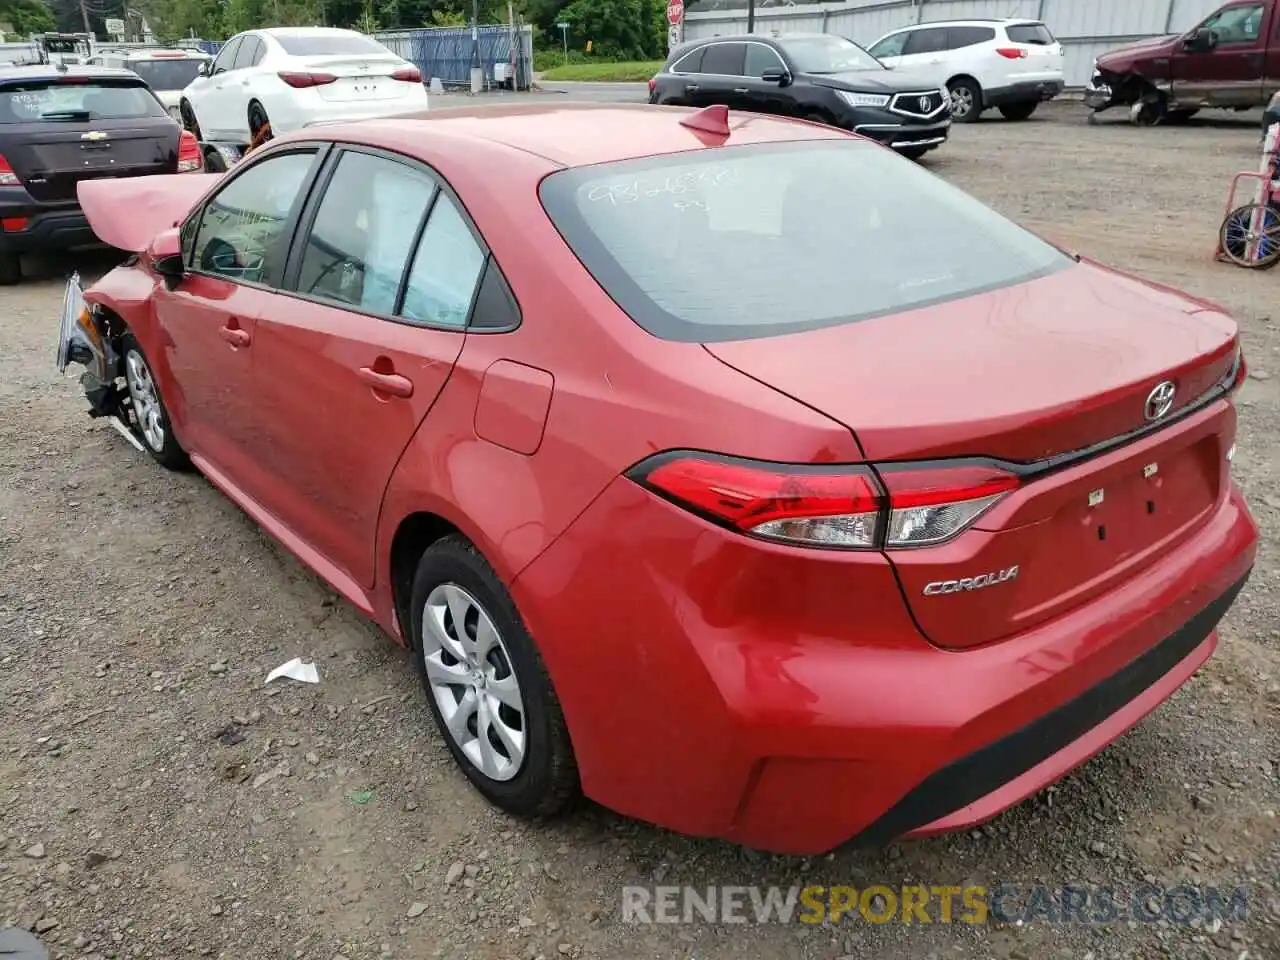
(569, 134)
(305, 31)
(51, 71)
(973, 21)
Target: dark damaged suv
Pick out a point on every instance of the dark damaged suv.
(817, 76)
(60, 125)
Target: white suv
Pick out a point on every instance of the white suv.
(1009, 64)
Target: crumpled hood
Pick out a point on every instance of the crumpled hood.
(127, 213)
(1122, 56)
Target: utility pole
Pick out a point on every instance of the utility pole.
(84, 14)
(477, 74)
(751, 16)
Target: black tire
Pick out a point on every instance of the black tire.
(10, 269)
(189, 121)
(257, 121)
(213, 162)
(968, 95)
(1174, 117)
(1151, 111)
(1018, 111)
(166, 452)
(914, 153)
(545, 783)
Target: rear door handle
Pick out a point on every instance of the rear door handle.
(389, 383)
(234, 336)
(690, 87)
(741, 90)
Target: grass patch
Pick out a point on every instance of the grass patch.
(624, 72)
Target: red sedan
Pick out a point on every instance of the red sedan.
(731, 471)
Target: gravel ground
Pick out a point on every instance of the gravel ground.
(140, 612)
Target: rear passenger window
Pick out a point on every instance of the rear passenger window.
(927, 41)
(446, 267)
(690, 63)
(363, 232)
(242, 226)
(724, 59)
(958, 37)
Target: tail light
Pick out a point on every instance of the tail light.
(7, 177)
(14, 224)
(408, 74)
(851, 507)
(302, 80)
(189, 157)
(653, 83)
(1012, 53)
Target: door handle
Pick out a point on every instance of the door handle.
(741, 90)
(690, 87)
(234, 336)
(390, 383)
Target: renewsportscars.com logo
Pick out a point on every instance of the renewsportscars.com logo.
(919, 904)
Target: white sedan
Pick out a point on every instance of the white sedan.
(280, 80)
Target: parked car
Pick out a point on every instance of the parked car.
(284, 79)
(699, 480)
(1223, 62)
(816, 76)
(1011, 65)
(167, 72)
(60, 126)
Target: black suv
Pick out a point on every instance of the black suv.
(817, 76)
(60, 125)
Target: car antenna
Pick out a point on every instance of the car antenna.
(713, 119)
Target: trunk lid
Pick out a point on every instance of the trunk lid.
(1041, 370)
(359, 78)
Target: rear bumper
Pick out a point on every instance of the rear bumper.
(292, 114)
(1031, 91)
(49, 230)
(717, 686)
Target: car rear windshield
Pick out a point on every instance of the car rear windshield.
(328, 44)
(1036, 33)
(72, 100)
(753, 241)
(167, 74)
(827, 54)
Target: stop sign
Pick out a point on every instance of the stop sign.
(675, 11)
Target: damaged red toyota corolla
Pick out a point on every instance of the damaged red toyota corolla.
(719, 473)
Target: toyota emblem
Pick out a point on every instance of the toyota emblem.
(925, 104)
(1159, 401)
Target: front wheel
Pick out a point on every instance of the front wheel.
(1018, 111)
(914, 153)
(966, 100)
(487, 686)
(147, 414)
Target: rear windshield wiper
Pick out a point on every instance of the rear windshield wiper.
(67, 115)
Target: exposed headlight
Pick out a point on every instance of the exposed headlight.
(946, 96)
(863, 99)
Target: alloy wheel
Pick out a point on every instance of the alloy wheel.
(961, 102)
(146, 401)
(470, 675)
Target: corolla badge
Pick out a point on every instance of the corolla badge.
(1159, 401)
(966, 584)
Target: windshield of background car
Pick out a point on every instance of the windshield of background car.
(53, 101)
(326, 44)
(754, 241)
(827, 54)
(167, 74)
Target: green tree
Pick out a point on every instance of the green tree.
(619, 29)
(27, 16)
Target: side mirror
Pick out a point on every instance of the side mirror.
(165, 256)
(1202, 41)
(776, 75)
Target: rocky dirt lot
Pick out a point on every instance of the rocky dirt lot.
(157, 801)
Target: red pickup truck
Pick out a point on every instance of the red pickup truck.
(1231, 60)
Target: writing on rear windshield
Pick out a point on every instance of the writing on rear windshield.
(79, 101)
(635, 189)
